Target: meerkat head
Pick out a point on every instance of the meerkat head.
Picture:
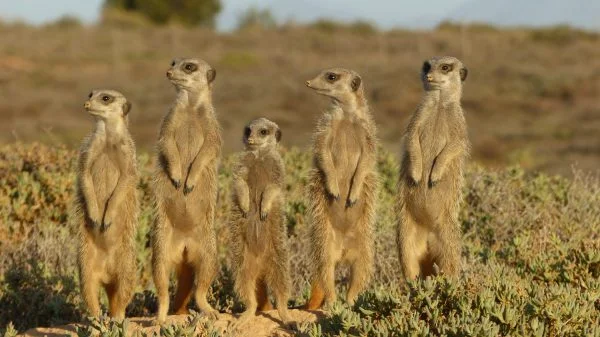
(261, 133)
(337, 83)
(107, 104)
(191, 74)
(443, 73)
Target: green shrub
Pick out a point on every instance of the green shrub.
(531, 254)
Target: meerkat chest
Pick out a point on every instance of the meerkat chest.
(347, 138)
(105, 174)
(261, 172)
(435, 134)
(190, 136)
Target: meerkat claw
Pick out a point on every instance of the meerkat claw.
(176, 183)
(187, 190)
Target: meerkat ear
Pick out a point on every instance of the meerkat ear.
(210, 75)
(355, 83)
(278, 135)
(126, 108)
(463, 73)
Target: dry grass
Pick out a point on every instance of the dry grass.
(531, 96)
(531, 253)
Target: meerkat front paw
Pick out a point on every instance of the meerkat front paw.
(93, 219)
(263, 215)
(334, 190)
(175, 178)
(435, 177)
(92, 223)
(176, 183)
(188, 189)
(415, 177)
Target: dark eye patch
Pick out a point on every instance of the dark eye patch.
(446, 68)
(189, 67)
(247, 132)
(90, 95)
(332, 77)
(426, 67)
(173, 64)
(107, 99)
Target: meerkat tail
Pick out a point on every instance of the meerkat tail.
(185, 285)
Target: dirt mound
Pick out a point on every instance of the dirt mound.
(264, 324)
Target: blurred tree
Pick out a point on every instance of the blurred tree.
(256, 18)
(187, 12)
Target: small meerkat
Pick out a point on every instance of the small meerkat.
(185, 187)
(431, 174)
(342, 187)
(259, 234)
(106, 205)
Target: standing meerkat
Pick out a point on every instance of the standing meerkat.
(259, 234)
(185, 187)
(342, 187)
(431, 174)
(106, 205)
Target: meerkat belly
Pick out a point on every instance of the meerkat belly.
(345, 150)
(256, 233)
(189, 140)
(433, 139)
(105, 174)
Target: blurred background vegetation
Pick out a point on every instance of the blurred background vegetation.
(531, 97)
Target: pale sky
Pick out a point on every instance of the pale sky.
(385, 13)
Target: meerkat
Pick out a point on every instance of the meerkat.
(185, 187)
(259, 234)
(106, 205)
(342, 187)
(431, 174)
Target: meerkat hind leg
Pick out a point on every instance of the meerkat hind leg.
(447, 248)
(204, 272)
(161, 273)
(412, 245)
(91, 296)
(360, 272)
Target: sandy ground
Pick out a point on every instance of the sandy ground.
(264, 324)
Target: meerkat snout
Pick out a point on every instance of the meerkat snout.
(169, 74)
(307, 83)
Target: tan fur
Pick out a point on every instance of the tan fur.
(185, 187)
(431, 174)
(342, 187)
(259, 235)
(106, 206)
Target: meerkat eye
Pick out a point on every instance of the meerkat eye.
(105, 98)
(331, 77)
(446, 68)
(90, 95)
(264, 132)
(190, 67)
(173, 64)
